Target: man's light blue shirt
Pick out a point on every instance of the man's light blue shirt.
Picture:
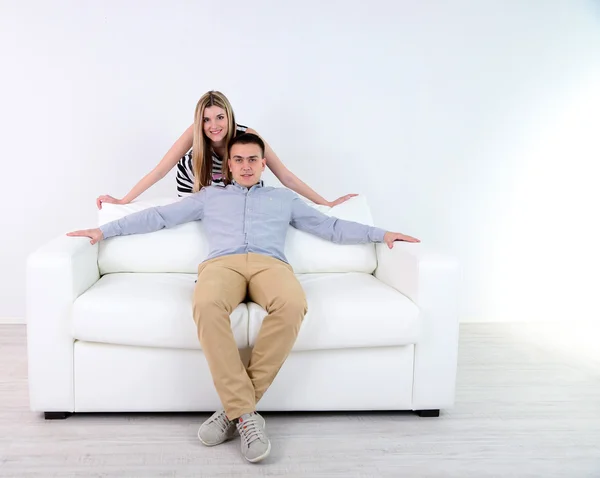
(238, 220)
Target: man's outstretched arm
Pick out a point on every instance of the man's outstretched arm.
(306, 218)
(149, 220)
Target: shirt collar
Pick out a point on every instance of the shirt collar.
(260, 184)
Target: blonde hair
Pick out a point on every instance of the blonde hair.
(202, 162)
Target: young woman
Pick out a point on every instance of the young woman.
(214, 126)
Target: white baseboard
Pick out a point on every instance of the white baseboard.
(12, 320)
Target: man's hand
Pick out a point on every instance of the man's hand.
(340, 200)
(94, 234)
(390, 237)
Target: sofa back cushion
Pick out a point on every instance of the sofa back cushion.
(183, 248)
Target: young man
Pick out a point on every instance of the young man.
(246, 225)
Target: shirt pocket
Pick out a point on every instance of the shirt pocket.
(269, 206)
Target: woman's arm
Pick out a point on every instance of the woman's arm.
(168, 162)
(291, 181)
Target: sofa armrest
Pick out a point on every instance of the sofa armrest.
(432, 282)
(57, 273)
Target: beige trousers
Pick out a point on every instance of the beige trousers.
(223, 283)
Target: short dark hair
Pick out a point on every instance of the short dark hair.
(247, 138)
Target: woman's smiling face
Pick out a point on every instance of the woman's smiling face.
(215, 124)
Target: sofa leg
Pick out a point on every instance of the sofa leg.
(428, 413)
(56, 415)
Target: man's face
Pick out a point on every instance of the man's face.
(246, 164)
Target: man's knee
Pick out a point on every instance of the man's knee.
(206, 306)
(292, 307)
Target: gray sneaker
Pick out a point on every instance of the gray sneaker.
(255, 442)
(217, 429)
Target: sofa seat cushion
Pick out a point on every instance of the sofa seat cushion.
(349, 310)
(145, 309)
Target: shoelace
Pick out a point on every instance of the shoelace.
(222, 421)
(249, 430)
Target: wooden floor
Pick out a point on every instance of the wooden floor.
(526, 407)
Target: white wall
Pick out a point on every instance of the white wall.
(469, 124)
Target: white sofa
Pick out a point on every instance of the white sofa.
(110, 326)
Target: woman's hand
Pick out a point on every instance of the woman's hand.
(107, 199)
(340, 200)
